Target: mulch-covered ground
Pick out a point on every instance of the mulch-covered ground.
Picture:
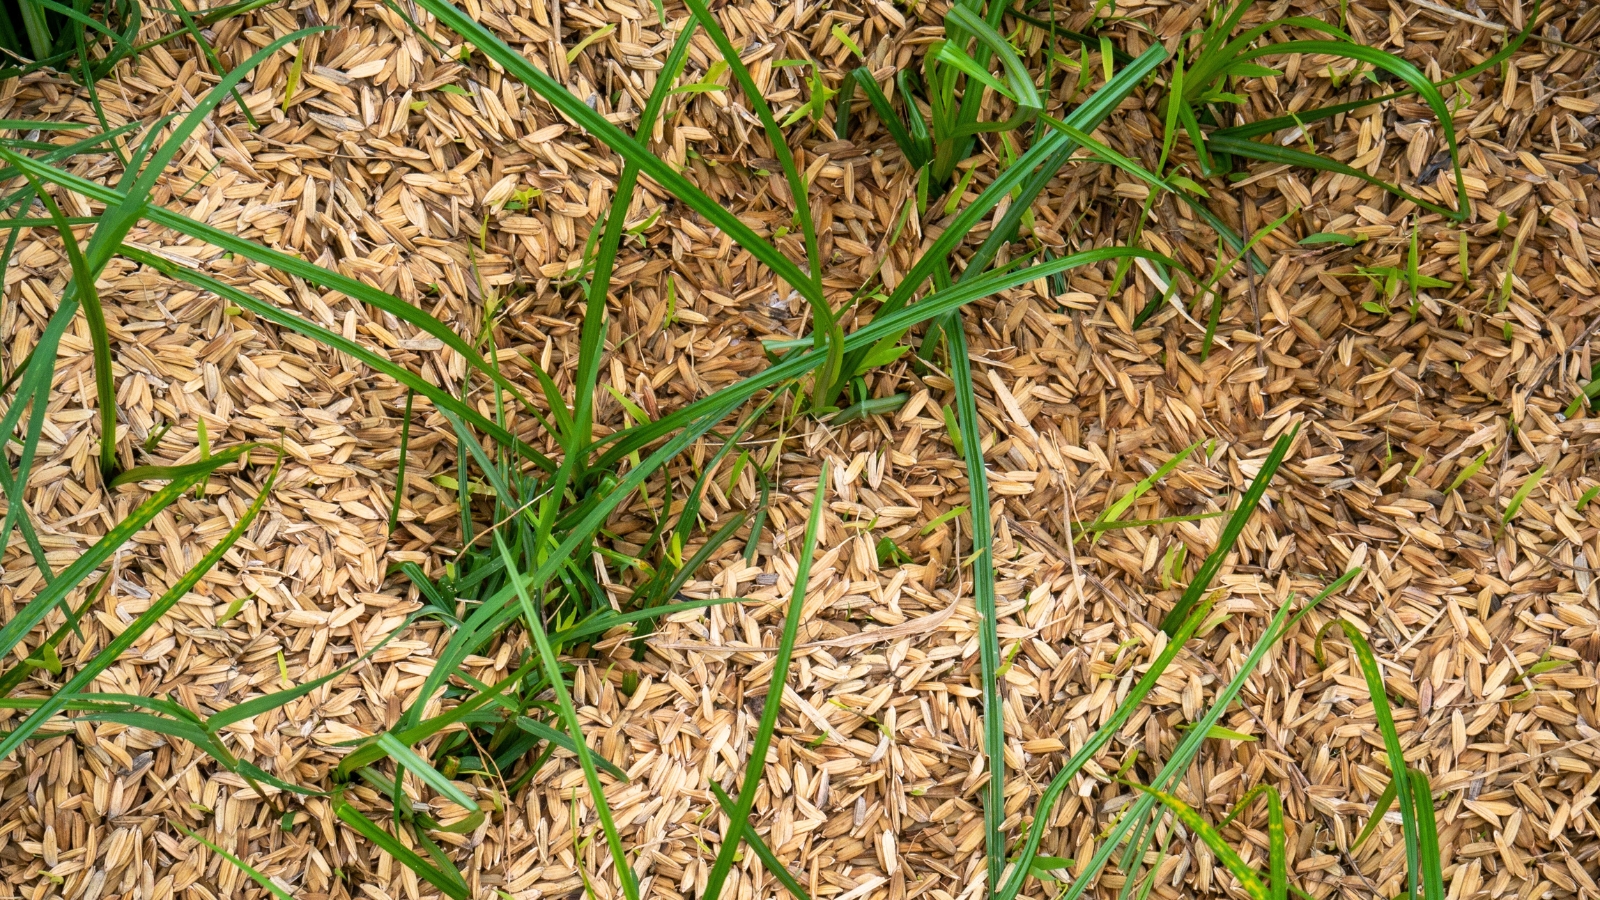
(449, 185)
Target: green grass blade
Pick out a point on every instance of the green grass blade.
(1267, 126)
(1115, 510)
(1107, 154)
(592, 334)
(83, 279)
(1181, 757)
(1433, 886)
(450, 882)
(369, 752)
(19, 673)
(798, 188)
(1230, 532)
(592, 337)
(1408, 73)
(994, 736)
(404, 756)
(1218, 845)
(884, 326)
(953, 138)
(190, 27)
(1379, 807)
(774, 866)
(31, 614)
(400, 474)
(1035, 168)
(1277, 847)
(288, 265)
(739, 818)
(249, 709)
(165, 473)
(1368, 664)
(563, 740)
(913, 150)
(36, 28)
(1289, 156)
(961, 22)
(440, 398)
(569, 713)
(575, 109)
(138, 627)
(34, 391)
(1208, 289)
(255, 875)
(1095, 744)
(1211, 64)
(1517, 499)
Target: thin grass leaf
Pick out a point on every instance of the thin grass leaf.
(798, 188)
(1588, 496)
(1327, 237)
(756, 761)
(774, 866)
(994, 744)
(1289, 156)
(19, 673)
(193, 30)
(916, 151)
(1306, 117)
(1032, 172)
(631, 150)
(1098, 527)
(1531, 482)
(117, 645)
(1391, 738)
(139, 474)
(1176, 765)
(592, 333)
(34, 391)
(30, 615)
(440, 398)
(292, 266)
(1107, 154)
(569, 713)
(400, 474)
(255, 875)
(1214, 841)
(408, 759)
(1277, 847)
(1115, 510)
(1379, 807)
(1096, 742)
(885, 326)
(1471, 469)
(827, 332)
(204, 441)
(1433, 886)
(445, 879)
(1209, 288)
(563, 740)
(1230, 532)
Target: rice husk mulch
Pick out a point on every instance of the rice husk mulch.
(446, 183)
